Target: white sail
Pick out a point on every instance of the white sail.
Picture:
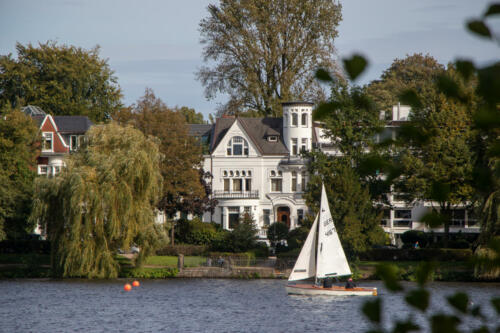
(331, 260)
(305, 266)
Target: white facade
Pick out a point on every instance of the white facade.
(251, 176)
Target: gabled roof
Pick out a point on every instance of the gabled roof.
(257, 129)
(72, 124)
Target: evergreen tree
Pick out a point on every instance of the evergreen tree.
(356, 220)
(102, 201)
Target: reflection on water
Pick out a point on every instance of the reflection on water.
(195, 305)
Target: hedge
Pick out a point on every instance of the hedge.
(185, 249)
(428, 254)
(25, 246)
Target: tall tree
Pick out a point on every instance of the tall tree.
(61, 79)
(18, 152)
(265, 51)
(356, 219)
(183, 189)
(437, 165)
(417, 72)
(192, 117)
(104, 200)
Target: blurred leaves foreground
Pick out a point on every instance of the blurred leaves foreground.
(487, 261)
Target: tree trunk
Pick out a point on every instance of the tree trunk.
(172, 235)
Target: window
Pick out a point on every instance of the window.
(295, 119)
(402, 214)
(248, 184)
(43, 170)
(272, 138)
(47, 141)
(304, 182)
(300, 215)
(234, 216)
(225, 173)
(304, 119)
(237, 146)
(73, 142)
(237, 185)
(267, 216)
(247, 210)
(249, 173)
(57, 169)
(294, 146)
(237, 173)
(276, 185)
(286, 121)
(304, 145)
(226, 185)
(273, 173)
(243, 173)
(294, 181)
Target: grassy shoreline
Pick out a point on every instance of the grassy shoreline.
(161, 267)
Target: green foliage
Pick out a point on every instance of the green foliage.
(410, 237)
(242, 238)
(265, 52)
(296, 237)
(148, 273)
(18, 151)
(356, 220)
(416, 73)
(355, 65)
(104, 200)
(277, 231)
(192, 117)
(61, 79)
(196, 232)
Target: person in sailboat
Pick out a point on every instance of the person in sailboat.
(350, 284)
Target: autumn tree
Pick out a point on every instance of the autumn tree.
(265, 52)
(102, 201)
(18, 152)
(417, 72)
(61, 79)
(184, 189)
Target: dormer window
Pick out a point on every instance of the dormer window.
(272, 138)
(237, 146)
(47, 141)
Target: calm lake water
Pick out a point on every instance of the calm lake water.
(197, 305)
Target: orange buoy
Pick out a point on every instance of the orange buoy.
(136, 283)
(127, 287)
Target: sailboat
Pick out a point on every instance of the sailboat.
(321, 257)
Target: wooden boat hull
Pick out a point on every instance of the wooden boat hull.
(312, 290)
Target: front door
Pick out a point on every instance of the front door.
(284, 215)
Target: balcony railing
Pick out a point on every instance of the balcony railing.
(218, 194)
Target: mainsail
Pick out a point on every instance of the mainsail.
(322, 254)
(305, 267)
(331, 260)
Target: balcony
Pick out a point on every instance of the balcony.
(218, 194)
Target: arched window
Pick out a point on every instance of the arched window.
(237, 146)
(295, 119)
(304, 119)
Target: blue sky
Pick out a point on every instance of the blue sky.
(155, 43)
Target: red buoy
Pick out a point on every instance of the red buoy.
(136, 283)
(127, 287)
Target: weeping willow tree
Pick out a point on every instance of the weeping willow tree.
(104, 200)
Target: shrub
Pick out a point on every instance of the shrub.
(25, 246)
(410, 237)
(148, 273)
(196, 232)
(241, 239)
(428, 254)
(296, 237)
(277, 232)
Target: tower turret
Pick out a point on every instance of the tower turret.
(297, 126)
